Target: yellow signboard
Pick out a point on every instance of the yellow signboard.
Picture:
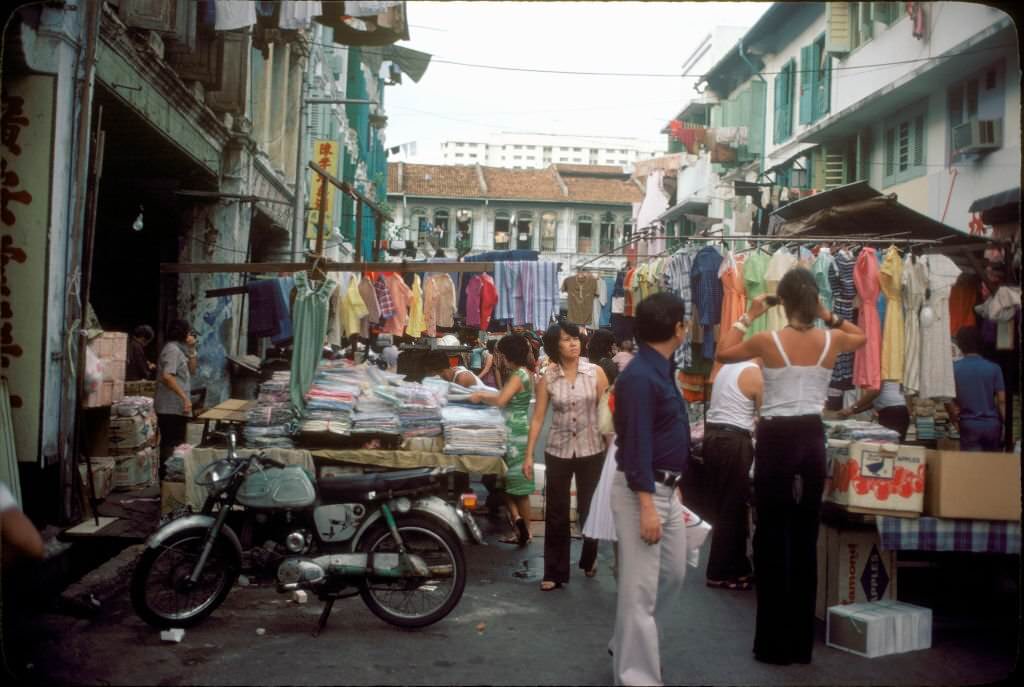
(325, 154)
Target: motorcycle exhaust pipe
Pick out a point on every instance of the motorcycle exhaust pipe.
(302, 573)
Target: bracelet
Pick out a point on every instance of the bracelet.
(836, 322)
(738, 324)
(744, 319)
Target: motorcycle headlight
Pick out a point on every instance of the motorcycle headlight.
(217, 475)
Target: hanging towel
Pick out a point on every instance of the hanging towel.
(263, 305)
(234, 14)
(283, 311)
(298, 14)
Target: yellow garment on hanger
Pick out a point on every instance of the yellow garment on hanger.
(417, 323)
(780, 263)
(353, 308)
(890, 277)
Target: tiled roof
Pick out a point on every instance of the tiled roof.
(451, 181)
(597, 190)
(458, 181)
(524, 184)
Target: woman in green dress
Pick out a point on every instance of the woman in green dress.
(515, 397)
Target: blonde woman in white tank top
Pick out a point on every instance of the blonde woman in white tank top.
(789, 458)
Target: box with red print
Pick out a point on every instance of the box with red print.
(874, 477)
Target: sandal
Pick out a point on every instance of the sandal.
(510, 539)
(548, 585)
(592, 572)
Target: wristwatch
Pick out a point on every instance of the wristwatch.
(745, 319)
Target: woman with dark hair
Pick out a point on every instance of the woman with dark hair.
(490, 374)
(574, 447)
(172, 402)
(515, 398)
(789, 458)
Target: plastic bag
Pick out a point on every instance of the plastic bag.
(93, 372)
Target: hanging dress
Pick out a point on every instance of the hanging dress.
(936, 344)
(309, 322)
(915, 285)
(753, 281)
(867, 361)
(733, 297)
(890, 278)
(417, 324)
(517, 419)
(841, 278)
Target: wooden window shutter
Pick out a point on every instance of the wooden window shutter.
(867, 20)
(918, 159)
(835, 168)
(890, 152)
(174, 19)
(822, 81)
(837, 22)
(808, 69)
(233, 95)
(779, 107)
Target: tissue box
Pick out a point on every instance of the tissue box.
(128, 434)
(106, 393)
(879, 628)
(874, 477)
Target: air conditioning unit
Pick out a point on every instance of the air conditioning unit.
(978, 136)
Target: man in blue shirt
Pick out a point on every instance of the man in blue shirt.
(980, 396)
(653, 440)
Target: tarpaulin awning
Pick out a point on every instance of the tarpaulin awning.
(859, 211)
(996, 200)
(413, 63)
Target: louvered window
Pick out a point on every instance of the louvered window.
(905, 140)
(783, 106)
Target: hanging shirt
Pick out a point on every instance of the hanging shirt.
(733, 297)
(867, 362)
(488, 300)
(936, 350)
(707, 292)
(234, 14)
(599, 301)
(416, 324)
(581, 289)
(353, 309)
(915, 285)
(820, 269)
(782, 261)
(473, 303)
(400, 297)
(962, 300)
(384, 300)
(438, 302)
(608, 285)
(369, 296)
(890, 278)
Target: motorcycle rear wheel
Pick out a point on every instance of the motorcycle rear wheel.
(159, 590)
(412, 604)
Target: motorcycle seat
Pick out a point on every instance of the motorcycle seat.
(344, 488)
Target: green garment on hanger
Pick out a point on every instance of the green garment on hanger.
(309, 327)
(754, 268)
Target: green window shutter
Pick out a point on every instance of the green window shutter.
(807, 71)
(837, 21)
(919, 142)
(780, 107)
(822, 86)
(867, 20)
(835, 168)
(890, 154)
(758, 115)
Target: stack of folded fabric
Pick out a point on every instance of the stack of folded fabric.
(332, 398)
(472, 430)
(270, 421)
(375, 415)
(419, 412)
(858, 430)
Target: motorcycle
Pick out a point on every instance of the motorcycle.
(387, 537)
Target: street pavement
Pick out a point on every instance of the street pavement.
(504, 631)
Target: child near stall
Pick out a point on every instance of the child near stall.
(515, 398)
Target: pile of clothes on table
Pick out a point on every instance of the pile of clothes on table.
(858, 430)
(270, 422)
(332, 399)
(474, 430)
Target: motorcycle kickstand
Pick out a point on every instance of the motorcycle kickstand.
(323, 617)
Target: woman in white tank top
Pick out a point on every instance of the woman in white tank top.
(789, 458)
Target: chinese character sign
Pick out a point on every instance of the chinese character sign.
(325, 154)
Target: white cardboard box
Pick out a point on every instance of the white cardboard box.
(879, 628)
(877, 477)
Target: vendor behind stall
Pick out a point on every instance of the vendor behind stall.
(890, 404)
(436, 363)
(980, 396)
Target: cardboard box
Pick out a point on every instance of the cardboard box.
(877, 477)
(145, 388)
(106, 393)
(102, 475)
(879, 628)
(973, 485)
(128, 434)
(172, 495)
(853, 568)
(110, 346)
(136, 470)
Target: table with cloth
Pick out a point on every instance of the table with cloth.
(942, 534)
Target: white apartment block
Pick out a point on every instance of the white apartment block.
(537, 151)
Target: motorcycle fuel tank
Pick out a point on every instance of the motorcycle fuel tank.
(288, 487)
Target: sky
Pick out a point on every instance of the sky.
(461, 103)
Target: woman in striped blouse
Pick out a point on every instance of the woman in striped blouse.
(574, 447)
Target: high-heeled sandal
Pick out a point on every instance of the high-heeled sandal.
(522, 532)
(592, 572)
(548, 585)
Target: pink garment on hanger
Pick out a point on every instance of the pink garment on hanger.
(488, 299)
(401, 295)
(734, 299)
(867, 361)
(473, 302)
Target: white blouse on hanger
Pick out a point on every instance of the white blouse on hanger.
(915, 285)
(780, 263)
(936, 343)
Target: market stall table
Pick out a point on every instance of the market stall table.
(232, 411)
(404, 459)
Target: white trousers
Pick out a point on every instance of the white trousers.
(650, 578)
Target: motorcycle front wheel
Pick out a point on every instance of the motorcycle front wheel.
(161, 593)
(417, 603)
